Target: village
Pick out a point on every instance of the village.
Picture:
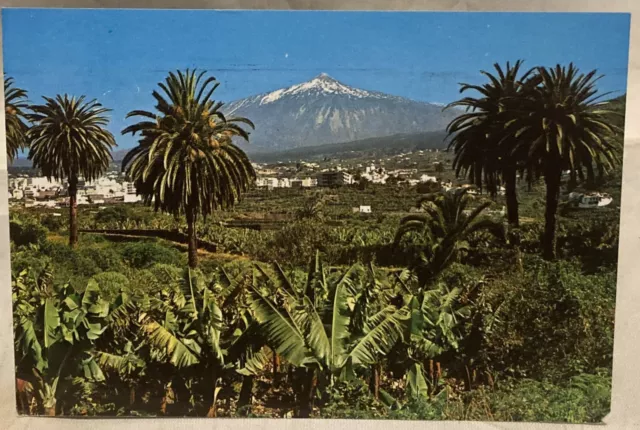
(410, 169)
(34, 191)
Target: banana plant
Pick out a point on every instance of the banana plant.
(186, 327)
(440, 321)
(311, 327)
(55, 333)
(183, 327)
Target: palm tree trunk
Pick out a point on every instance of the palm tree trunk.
(478, 178)
(511, 196)
(492, 185)
(73, 211)
(552, 178)
(573, 180)
(590, 175)
(192, 239)
(601, 173)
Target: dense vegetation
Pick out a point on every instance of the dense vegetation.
(436, 306)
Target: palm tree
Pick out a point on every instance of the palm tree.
(563, 126)
(15, 106)
(478, 141)
(444, 230)
(68, 140)
(186, 162)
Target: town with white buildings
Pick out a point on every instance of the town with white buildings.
(40, 191)
(112, 188)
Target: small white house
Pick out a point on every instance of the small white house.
(132, 198)
(365, 209)
(427, 178)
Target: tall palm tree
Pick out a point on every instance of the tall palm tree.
(15, 106)
(479, 132)
(564, 126)
(186, 162)
(68, 140)
(443, 231)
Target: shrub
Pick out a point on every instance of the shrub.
(297, 243)
(111, 283)
(551, 320)
(586, 398)
(166, 274)
(105, 258)
(26, 232)
(34, 261)
(145, 254)
(54, 223)
(113, 215)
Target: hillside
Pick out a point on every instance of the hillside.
(373, 147)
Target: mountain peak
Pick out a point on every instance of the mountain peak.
(323, 84)
(323, 110)
(324, 76)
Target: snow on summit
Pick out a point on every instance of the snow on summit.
(323, 84)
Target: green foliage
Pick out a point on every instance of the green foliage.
(115, 215)
(586, 398)
(296, 243)
(186, 161)
(27, 232)
(144, 254)
(488, 332)
(15, 108)
(53, 223)
(105, 258)
(444, 231)
(84, 151)
(112, 283)
(55, 331)
(553, 321)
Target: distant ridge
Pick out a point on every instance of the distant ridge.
(372, 146)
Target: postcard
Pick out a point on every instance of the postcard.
(368, 215)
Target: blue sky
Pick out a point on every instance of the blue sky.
(119, 56)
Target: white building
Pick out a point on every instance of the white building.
(132, 198)
(17, 194)
(42, 182)
(427, 178)
(129, 187)
(365, 209)
(268, 183)
(334, 178)
(309, 182)
(284, 183)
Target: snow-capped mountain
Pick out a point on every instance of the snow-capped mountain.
(324, 110)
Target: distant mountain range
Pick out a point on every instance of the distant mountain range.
(324, 110)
